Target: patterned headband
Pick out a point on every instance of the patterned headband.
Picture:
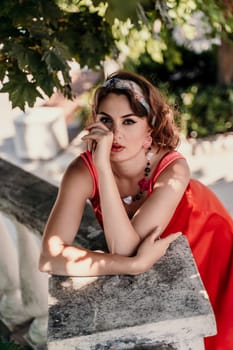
(128, 85)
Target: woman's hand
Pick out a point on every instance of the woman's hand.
(152, 249)
(99, 140)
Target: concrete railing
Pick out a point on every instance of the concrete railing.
(165, 308)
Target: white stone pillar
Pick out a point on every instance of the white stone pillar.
(23, 288)
(34, 284)
(9, 273)
(11, 309)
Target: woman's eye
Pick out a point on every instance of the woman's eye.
(128, 121)
(105, 120)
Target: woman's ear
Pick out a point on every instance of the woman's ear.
(148, 141)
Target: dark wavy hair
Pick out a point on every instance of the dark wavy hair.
(165, 133)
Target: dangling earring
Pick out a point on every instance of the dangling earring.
(149, 154)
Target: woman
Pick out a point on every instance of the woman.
(131, 167)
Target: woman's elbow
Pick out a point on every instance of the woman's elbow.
(50, 250)
(44, 263)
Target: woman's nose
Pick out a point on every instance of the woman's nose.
(116, 129)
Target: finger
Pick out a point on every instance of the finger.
(97, 126)
(172, 237)
(90, 145)
(94, 137)
(94, 132)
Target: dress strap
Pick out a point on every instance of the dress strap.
(164, 162)
(87, 158)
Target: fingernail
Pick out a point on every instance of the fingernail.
(178, 234)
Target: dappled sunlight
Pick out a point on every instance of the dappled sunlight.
(77, 283)
(73, 253)
(82, 263)
(174, 184)
(80, 282)
(53, 300)
(77, 261)
(55, 245)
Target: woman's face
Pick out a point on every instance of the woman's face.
(129, 131)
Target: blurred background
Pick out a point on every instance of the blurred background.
(53, 54)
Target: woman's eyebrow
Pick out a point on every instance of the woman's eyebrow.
(123, 116)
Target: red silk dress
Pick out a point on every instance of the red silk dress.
(209, 229)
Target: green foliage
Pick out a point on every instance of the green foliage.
(207, 110)
(12, 346)
(203, 110)
(204, 107)
(128, 9)
(152, 32)
(38, 38)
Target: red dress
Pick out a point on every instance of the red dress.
(209, 229)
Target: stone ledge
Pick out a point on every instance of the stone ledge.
(28, 199)
(25, 197)
(166, 304)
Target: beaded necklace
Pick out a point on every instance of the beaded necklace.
(143, 183)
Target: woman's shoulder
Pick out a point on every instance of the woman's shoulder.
(77, 166)
(76, 171)
(171, 155)
(171, 163)
(170, 159)
(177, 161)
(78, 175)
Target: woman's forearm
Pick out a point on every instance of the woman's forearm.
(120, 235)
(76, 261)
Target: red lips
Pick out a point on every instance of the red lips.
(116, 147)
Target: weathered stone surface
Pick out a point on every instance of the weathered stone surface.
(24, 196)
(29, 199)
(166, 303)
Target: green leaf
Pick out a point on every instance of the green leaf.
(21, 91)
(2, 71)
(28, 59)
(54, 60)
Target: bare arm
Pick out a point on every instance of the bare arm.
(59, 256)
(120, 234)
(160, 206)
(76, 261)
(123, 235)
